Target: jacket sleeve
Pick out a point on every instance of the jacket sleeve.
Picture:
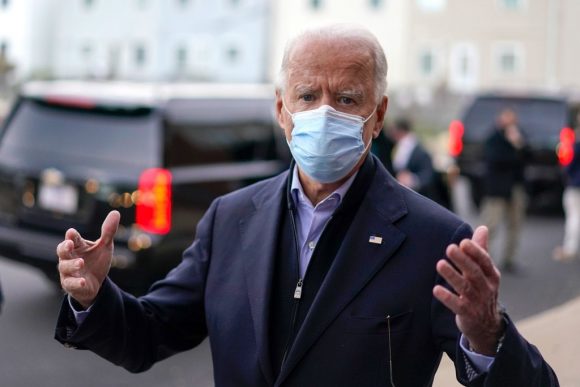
(137, 332)
(518, 363)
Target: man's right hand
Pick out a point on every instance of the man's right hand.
(83, 265)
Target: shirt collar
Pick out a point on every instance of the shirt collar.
(300, 197)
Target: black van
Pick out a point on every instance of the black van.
(70, 153)
(546, 123)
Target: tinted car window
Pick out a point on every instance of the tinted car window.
(216, 131)
(205, 144)
(94, 137)
(541, 119)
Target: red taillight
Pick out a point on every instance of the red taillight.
(153, 212)
(80, 103)
(565, 149)
(456, 131)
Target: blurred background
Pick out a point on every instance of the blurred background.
(443, 55)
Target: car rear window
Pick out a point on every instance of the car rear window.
(540, 119)
(41, 131)
(215, 131)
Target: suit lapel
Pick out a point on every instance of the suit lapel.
(357, 261)
(259, 234)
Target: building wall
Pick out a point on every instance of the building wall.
(471, 39)
(382, 17)
(467, 45)
(214, 40)
(567, 60)
(25, 32)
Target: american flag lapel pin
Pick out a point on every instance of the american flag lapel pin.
(377, 240)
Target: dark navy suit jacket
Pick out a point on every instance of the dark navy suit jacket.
(222, 289)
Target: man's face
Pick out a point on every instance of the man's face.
(507, 118)
(333, 73)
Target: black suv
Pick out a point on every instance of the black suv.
(70, 153)
(545, 122)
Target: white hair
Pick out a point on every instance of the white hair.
(341, 32)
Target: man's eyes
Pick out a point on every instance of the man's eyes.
(345, 100)
(342, 100)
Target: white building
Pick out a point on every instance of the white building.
(382, 17)
(207, 40)
(455, 45)
(213, 40)
(26, 28)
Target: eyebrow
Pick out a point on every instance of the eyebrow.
(351, 93)
(301, 89)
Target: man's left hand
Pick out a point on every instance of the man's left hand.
(475, 281)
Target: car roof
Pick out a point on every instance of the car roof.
(143, 94)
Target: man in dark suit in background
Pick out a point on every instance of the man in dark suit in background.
(505, 153)
(411, 161)
(413, 166)
(330, 274)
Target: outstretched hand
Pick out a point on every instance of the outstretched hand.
(475, 281)
(82, 264)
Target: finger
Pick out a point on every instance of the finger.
(452, 277)
(450, 300)
(481, 237)
(109, 227)
(73, 285)
(461, 260)
(71, 267)
(64, 250)
(480, 256)
(469, 269)
(74, 236)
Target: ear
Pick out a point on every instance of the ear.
(381, 113)
(279, 106)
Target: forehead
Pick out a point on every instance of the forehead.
(332, 63)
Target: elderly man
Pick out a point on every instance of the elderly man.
(331, 274)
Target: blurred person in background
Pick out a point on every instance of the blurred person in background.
(411, 162)
(329, 274)
(413, 166)
(504, 197)
(382, 147)
(571, 202)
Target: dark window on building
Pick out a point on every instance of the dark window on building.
(86, 52)
(507, 62)
(181, 58)
(426, 63)
(89, 3)
(140, 55)
(4, 4)
(376, 3)
(316, 4)
(233, 54)
(3, 50)
(512, 4)
(183, 3)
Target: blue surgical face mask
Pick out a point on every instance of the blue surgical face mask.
(327, 144)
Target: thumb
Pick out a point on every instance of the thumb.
(481, 237)
(109, 227)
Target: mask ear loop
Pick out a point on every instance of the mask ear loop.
(285, 108)
(362, 130)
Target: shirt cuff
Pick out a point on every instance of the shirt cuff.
(481, 363)
(80, 315)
